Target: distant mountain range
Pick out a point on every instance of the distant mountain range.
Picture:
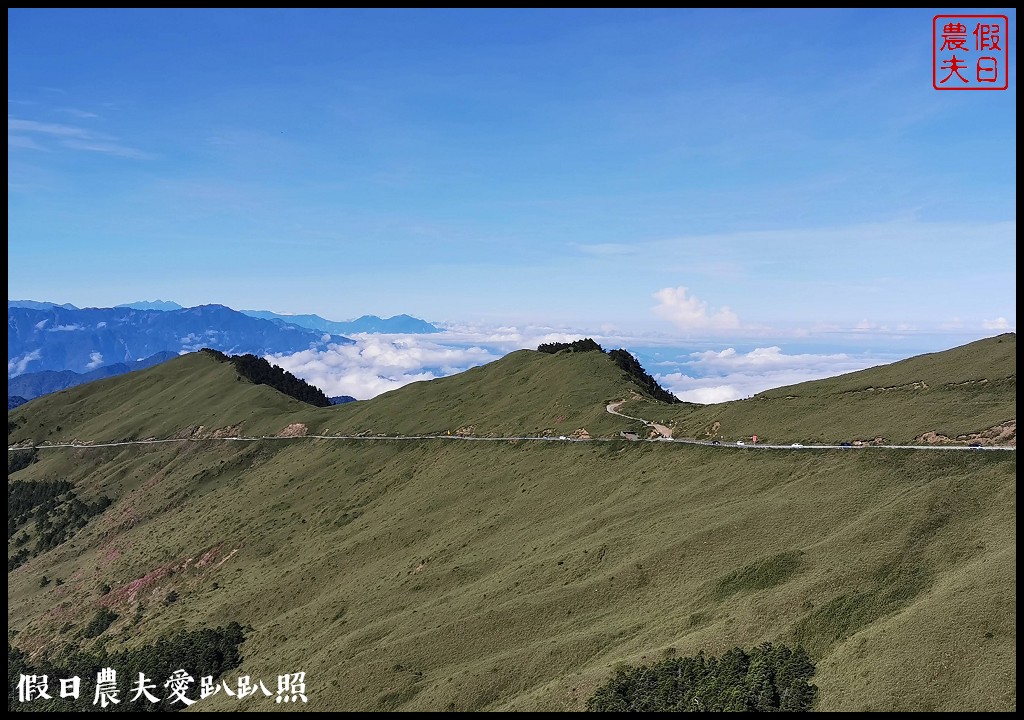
(77, 345)
(32, 385)
(152, 305)
(399, 324)
(53, 337)
(14, 401)
(140, 305)
(37, 305)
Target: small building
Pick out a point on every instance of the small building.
(629, 435)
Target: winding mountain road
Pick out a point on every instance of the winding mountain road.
(664, 436)
(664, 432)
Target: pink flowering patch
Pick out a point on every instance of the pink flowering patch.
(131, 591)
(208, 557)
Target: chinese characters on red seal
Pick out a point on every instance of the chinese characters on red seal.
(970, 52)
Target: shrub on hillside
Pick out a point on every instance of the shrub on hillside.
(632, 367)
(49, 511)
(584, 345)
(769, 678)
(103, 619)
(206, 652)
(20, 459)
(260, 372)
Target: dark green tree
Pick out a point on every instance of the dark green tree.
(584, 345)
(210, 651)
(769, 678)
(635, 371)
(260, 372)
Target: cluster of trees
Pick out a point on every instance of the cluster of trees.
(20, 459)
(769, 678)
(260, 372)
(629, 364)
(632, 367)
(584, 345)
(56, 510)
(26, 496)
(19, 558)
(103, 619)
(200, 652)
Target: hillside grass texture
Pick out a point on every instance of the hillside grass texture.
(405, 575)
(965, 392)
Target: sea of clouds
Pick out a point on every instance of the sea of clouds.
(719, 376)
(375, 364)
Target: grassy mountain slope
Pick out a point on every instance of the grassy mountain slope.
(962, 392)
(524, 393)
(487, 576)
(174, 398)
(32, 385)
(448, 575)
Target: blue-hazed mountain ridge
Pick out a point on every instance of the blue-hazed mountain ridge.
(82, 340)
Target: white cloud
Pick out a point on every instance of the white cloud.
(507, 338)
(109, 148)
(608, 249)
(23, 142)
(719, 376)
(710, 395)
(192, 342)
(766, 357)
(1000, 323)
(95, 360)
(42, 323)
(16, 366)
(70, 136)
(689, 312)
(46, 128)
(378, 363)
(75, 112)
(66, 328)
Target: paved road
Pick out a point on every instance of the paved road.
(665, 436)
(664, 432)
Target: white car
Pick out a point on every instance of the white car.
(796, 445)
(562, 437)
(740, 442)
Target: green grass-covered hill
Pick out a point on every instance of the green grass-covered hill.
(525, 393)
(435, 575)
(964, 395)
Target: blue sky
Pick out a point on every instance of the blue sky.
(707, 174)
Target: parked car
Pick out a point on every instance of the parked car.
(716, 442)
(740, 442)
(796, 445)
(845, 444)
(975, 445)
